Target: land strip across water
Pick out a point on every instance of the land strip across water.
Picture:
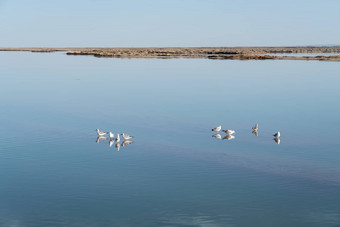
(320, 53)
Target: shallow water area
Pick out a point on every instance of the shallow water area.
(54, 172)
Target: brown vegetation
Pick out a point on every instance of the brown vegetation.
(233, 53)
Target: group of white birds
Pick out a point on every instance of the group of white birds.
(113, 140)
(230, 133)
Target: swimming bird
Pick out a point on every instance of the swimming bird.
(100, 133)
(126, 136)
(256, 127)
(111, 135)
(126, 142)
(100, 138)
(218, 136)
(277, 135)
(229, 132)
(277, 140)
(217, 129)
(228, 137)
(117, 146)
(118, 138)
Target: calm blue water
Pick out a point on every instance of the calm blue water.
(53, 173)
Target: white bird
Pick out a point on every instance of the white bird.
(229, 132)
(111, 142)
(125, 143)
(217, 129)
(118, 138)
(100, 138)
(101, 133)
(218, 136)
(277, 135)
(126, 136)
(117, 146)
(111, 135)
(277, 140)
(256, 127)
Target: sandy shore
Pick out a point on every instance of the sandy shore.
(231, 53)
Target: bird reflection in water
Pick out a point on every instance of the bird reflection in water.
(217, 136)
(126, 142)
(277, 140)
(117, 146)
(101, 138)
(228, 137)
(255, 132)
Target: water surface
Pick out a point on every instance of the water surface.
(53, 173)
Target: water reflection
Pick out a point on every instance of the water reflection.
(277, 140)
(217, 136)
(228, 137)
(126, 142)
(100, 138)
(117, 146)
(255, 132)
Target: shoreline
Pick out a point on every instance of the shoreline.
(218, 53)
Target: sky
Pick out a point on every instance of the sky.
(168, 23)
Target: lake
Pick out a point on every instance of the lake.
(54, 172)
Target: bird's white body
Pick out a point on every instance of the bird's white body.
(111, 135)
(218, 136)
(126, 136)
(256, 127)
(229, 132)
(100, 133)
(118, 138)
(277, 135)
(217, 129)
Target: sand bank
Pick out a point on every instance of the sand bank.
(223, 53)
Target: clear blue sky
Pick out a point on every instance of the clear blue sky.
(94, 23)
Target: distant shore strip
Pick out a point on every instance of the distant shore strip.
(223, 53)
